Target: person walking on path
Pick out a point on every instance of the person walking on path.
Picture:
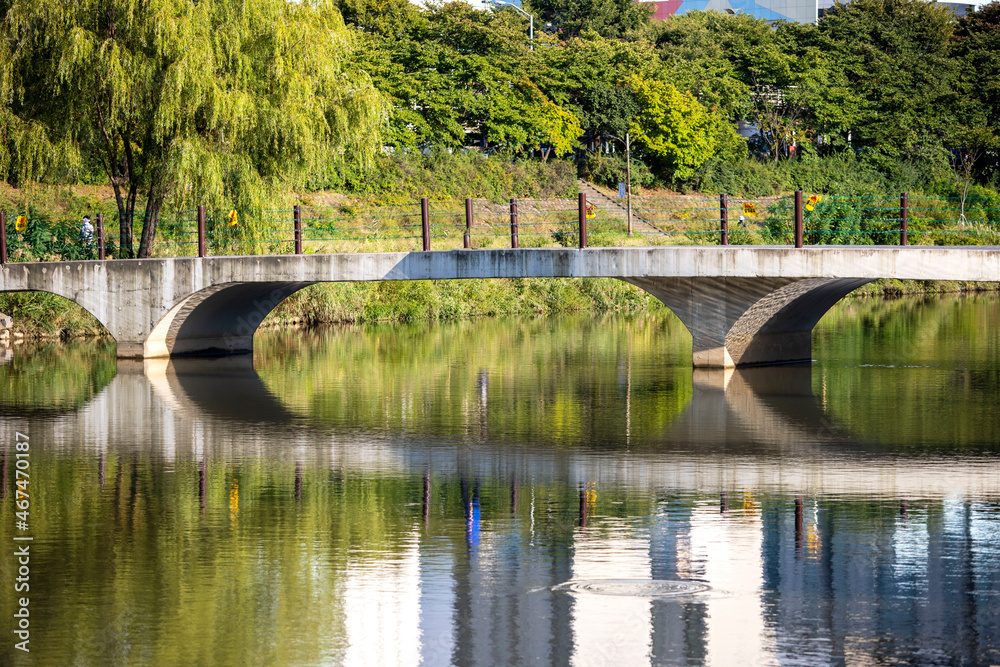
(86, 232)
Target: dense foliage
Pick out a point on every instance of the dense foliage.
(232, 103)
(899, 84)
(225, 100)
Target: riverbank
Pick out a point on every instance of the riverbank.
(41, 315)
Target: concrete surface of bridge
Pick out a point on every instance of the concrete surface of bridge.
(743, 305)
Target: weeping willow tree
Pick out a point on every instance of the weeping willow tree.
(222, 102)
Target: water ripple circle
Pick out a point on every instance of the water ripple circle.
(659, 588)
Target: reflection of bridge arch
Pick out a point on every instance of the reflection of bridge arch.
(227, 388)
(742, 305)
(771, 406)
(727, 439)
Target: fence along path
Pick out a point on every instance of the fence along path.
(799, 219)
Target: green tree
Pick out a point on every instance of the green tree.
(469, 76)
(785, 78)
(971, 143)
(221, 101)
(977, 46)
(897, 57)
(608, 109)
(614, 19)
(395, 19)
(798, 90)
(703, 53)
(588, 75)
(678, 130)
(560, 128)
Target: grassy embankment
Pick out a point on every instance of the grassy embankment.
(344, 223)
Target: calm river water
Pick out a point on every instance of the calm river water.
(513, 492)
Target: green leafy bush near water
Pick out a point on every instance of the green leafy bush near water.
(457, 299)
(45, 314)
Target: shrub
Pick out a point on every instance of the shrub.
(610, 170)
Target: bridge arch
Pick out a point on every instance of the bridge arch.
(743, 305)
(217, 320)
(732, 321)
(82, 300)
(749, 321)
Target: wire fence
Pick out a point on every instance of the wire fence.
(522, 223)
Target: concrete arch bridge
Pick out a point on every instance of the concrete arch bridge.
(743, 305)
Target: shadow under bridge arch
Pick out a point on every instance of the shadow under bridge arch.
(220, 319)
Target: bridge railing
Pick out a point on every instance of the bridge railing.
(799, 219)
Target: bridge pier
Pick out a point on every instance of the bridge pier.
(748, 321)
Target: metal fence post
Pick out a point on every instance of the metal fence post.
(513, 223)
(3, 237)
(297, 213)
(798, 219)
(904, 218)
(467, 238)
(724, 218)
(100, 236)
(425, 223)
(201, 231)
(582, 213)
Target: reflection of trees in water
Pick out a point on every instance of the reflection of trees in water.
(901, 373)
(54, 378)
(608, 382)
(944, 327)
(280, 566)
(489, 517)
(933, 380)
(562, 381)
(921, 371)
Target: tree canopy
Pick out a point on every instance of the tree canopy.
(613, 19)
(897, 57)
(677, 129)
(226, 101)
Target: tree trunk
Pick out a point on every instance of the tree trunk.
(125, 218)
(149, 223)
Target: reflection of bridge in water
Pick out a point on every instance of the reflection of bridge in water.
(756, 428)
(780, 579)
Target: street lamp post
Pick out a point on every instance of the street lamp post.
(531, 19)
(628, 181)
(628, 176)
